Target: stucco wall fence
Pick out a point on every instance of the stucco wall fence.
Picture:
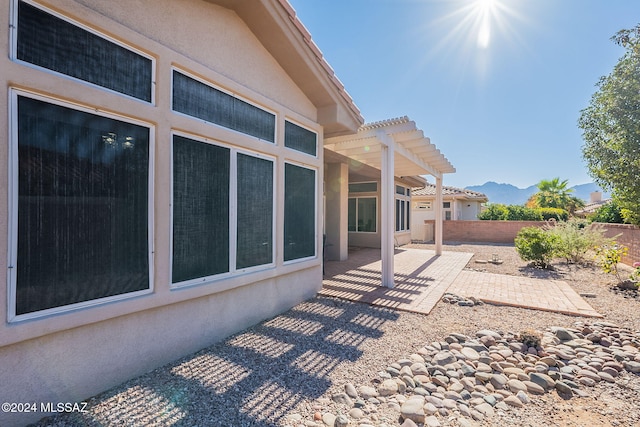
(629, 236)
(506, 231)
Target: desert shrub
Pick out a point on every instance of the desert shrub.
(609, 256)
(576, 240)
(553, 213)
(536, 245)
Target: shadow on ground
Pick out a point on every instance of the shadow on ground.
(253, 378)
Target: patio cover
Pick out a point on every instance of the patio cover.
(397, 148)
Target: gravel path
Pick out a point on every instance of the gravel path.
(292, 370)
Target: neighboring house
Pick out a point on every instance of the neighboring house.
(595, 202)
(457, 204)
(163, 183)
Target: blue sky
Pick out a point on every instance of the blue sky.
(497, 85)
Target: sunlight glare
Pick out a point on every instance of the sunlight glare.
(484, 10)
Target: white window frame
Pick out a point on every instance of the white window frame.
(13, 208)
(377, 213)
(315, 214)
(426, 205)
(13, 49)
(297, 123)
(233, 209)
(230, 93)
(405, 200)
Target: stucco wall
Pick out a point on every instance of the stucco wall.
(629, 236)
(483, 231)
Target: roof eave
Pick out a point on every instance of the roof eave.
(275, 24)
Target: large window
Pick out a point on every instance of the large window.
(255, 211)
(56, 44)
(362, 214)
(200, 209)
(81, 189)
(299, 212)
(223, 215)
(197, 99)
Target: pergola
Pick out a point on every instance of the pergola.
(398, 149)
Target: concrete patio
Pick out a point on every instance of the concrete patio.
(422, 278)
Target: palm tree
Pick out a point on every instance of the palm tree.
(555, 194)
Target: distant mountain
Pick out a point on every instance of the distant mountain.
(511, 195)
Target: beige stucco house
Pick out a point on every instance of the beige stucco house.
(164, 189)
(457, 204)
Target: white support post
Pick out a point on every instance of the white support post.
(387, 210)
(438, 211)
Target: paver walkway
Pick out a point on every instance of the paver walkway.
(537, 294)
(422, 278)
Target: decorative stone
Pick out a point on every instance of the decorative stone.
(413, 409)
(513, 401)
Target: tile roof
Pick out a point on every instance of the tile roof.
(430, 190)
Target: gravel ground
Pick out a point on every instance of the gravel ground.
(284, 371)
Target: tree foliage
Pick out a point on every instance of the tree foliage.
(609, 213)
(611, 128)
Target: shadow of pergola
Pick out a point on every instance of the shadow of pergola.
(253, 378)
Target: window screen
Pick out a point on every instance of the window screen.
(362, 214)
(197, 99)
(363, 187)
(255, 211)
(299, 212)
(367, 214)
(300, 139)
(83, 188)
(200, 209)
(53, 43)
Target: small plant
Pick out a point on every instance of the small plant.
(609, 256)
(536, 245)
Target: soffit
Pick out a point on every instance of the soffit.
(414, 153)
(275, 24)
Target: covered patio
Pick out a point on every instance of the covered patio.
(392, 154)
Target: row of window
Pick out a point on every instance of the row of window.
(83, 208)
(48, 40)
(82, 183)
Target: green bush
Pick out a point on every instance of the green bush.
(576, 240)
(521, 213)
(553, 213)
(494, 212)
(609, 214)
(500, 212)
(536, 245)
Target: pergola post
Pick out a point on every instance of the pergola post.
(387, 204)
(438, 212)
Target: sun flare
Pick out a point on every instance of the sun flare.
(484, 11)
